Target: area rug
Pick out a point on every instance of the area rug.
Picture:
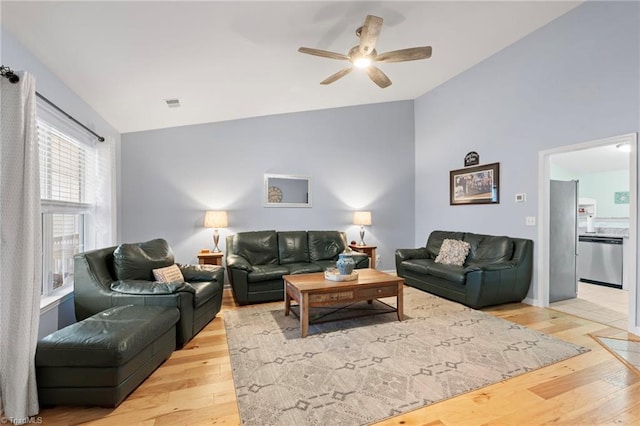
(362, 370)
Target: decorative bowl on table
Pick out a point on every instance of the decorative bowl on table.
(332, 274)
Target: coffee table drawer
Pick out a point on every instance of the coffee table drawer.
(378, 292)
(331, 297)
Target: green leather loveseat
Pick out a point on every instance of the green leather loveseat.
(123, 275)
(256, 261)
(496, 270)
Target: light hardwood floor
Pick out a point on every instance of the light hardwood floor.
(195, 385)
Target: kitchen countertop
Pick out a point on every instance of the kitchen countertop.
(602, 234)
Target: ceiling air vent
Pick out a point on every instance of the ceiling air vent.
(173, 103)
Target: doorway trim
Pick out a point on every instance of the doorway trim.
(630, 270)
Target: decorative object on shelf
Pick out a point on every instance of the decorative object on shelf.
(332, 274)
(216, 219)
(345, 264)
(475, 185)
(275, 194)
(362, 218)
(287, 191)
(621, 197)
(471, 159)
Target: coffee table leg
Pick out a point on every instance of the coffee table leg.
(287, 301)
(304, 315)
(400, 302)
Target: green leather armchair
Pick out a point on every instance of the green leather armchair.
(122, 275)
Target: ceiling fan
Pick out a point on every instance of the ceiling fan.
(365, 56)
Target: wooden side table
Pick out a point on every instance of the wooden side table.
(369, 251)
(210, 258)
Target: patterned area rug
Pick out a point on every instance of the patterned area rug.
(359, 371)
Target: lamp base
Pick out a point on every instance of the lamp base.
(362, 243)
(216, 239)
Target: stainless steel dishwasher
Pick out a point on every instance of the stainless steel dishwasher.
(600, 260)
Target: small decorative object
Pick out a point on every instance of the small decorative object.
(621, 197)
(332, 274)
(475, 185)
(216, 219)
(275, 194)
(345, 264)
(362, 219)
(471, 159)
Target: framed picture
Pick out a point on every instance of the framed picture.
(475, 185)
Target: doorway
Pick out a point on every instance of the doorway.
(630, 265)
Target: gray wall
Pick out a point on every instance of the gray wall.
(574, 80)
(359, 158)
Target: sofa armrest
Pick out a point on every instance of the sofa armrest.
(235, 261)
(201, 272)
(145, 288)
(412, 253)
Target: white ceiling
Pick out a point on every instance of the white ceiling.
(593, 160)
(230, 60)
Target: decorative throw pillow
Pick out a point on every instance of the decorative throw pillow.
(453, 252)
(168, 274)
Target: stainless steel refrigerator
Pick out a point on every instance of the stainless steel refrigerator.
(563, 240)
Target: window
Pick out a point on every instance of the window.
(76, 196)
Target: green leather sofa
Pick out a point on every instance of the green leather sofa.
(497, 270)
(256, 261)
(122, 275)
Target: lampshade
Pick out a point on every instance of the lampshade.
(215, 219)
(362, 218)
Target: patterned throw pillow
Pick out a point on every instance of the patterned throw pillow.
(168, 274)
(453, 252)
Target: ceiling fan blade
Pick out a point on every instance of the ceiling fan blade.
(337, 75)
(403, 55)
(369, 34)
(378, 77)
(323, 53)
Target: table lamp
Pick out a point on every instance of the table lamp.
(362, 219)
(215, 219)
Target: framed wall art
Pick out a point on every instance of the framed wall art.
(287, 191)
(475, 185)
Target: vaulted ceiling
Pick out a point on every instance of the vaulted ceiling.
(231, 60)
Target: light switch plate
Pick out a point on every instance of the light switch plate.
(531, 221)
(521, 198)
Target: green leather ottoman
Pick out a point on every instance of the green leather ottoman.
(102, 359)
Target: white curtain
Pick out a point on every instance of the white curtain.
(20, 249)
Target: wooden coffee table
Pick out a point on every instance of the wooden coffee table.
(312, 290)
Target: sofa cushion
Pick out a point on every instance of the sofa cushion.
(453, 252)
(168, 274)
(109, 338)
(494, 249)
(267, 272)
(258, 247)
(453, 273)
(293, 247)
(436, 238)
(304, 268)
(474, 241)
(421, 266)
(137, 261)
(325, 245)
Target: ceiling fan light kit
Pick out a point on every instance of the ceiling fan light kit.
(364, 55)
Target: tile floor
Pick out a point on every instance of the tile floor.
(597, 303)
